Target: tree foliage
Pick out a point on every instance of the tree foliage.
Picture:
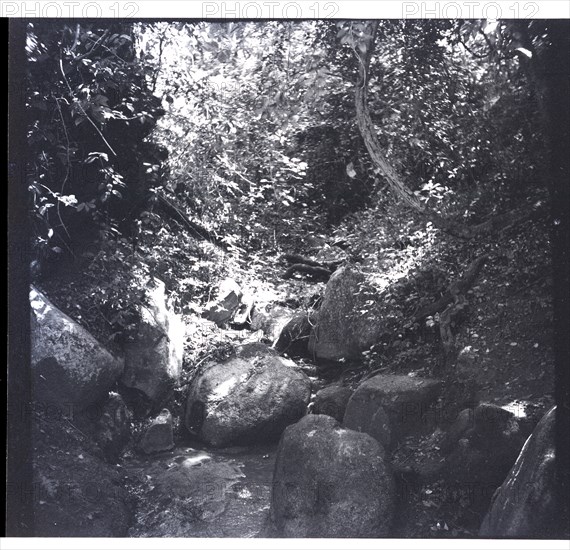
(440, 136)
(261, 144)
(90, 164)
(258, 119)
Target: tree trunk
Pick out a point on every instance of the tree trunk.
(366, 126)
(395, 180)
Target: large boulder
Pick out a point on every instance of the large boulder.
(71, 369)
(251, 397)
(332, 401)
(525, 505)
(153, 362)
(330, 482)
(222, 309)
(347, 322)
(389, 406)
(378, 425)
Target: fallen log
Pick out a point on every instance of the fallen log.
(195, 229)
(315, 271)
(297, 259)
(318, 270)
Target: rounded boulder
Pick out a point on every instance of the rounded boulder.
(330, 482)
(247, 399)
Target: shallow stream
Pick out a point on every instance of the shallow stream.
(199, 492)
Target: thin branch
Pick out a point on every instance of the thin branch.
(66, 168)
(487, 40)
(474, 54)
(76, 39)
(93, 48)
(76, 428)
(82, 109)
(114, 54)
(159, 64)
(67, 141)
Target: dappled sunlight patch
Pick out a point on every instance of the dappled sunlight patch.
(194, 460)
(517, 408)
(244, 492)
(224, 389)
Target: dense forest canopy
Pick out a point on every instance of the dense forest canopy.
(222, 118)
(260, 137)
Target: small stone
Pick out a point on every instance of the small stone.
(221, 310)
(159, 435)
(332, 401)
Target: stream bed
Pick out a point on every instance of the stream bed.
(199, 492)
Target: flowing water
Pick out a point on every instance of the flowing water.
(199, 492)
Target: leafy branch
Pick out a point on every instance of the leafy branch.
(78, 103)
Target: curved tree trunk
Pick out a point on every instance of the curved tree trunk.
(395, 180)
(368, 132)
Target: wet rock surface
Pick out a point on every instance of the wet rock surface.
(159, 435)
(197, 492)
(113, 428)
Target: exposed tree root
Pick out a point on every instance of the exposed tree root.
(319, 270)
(457, 288)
